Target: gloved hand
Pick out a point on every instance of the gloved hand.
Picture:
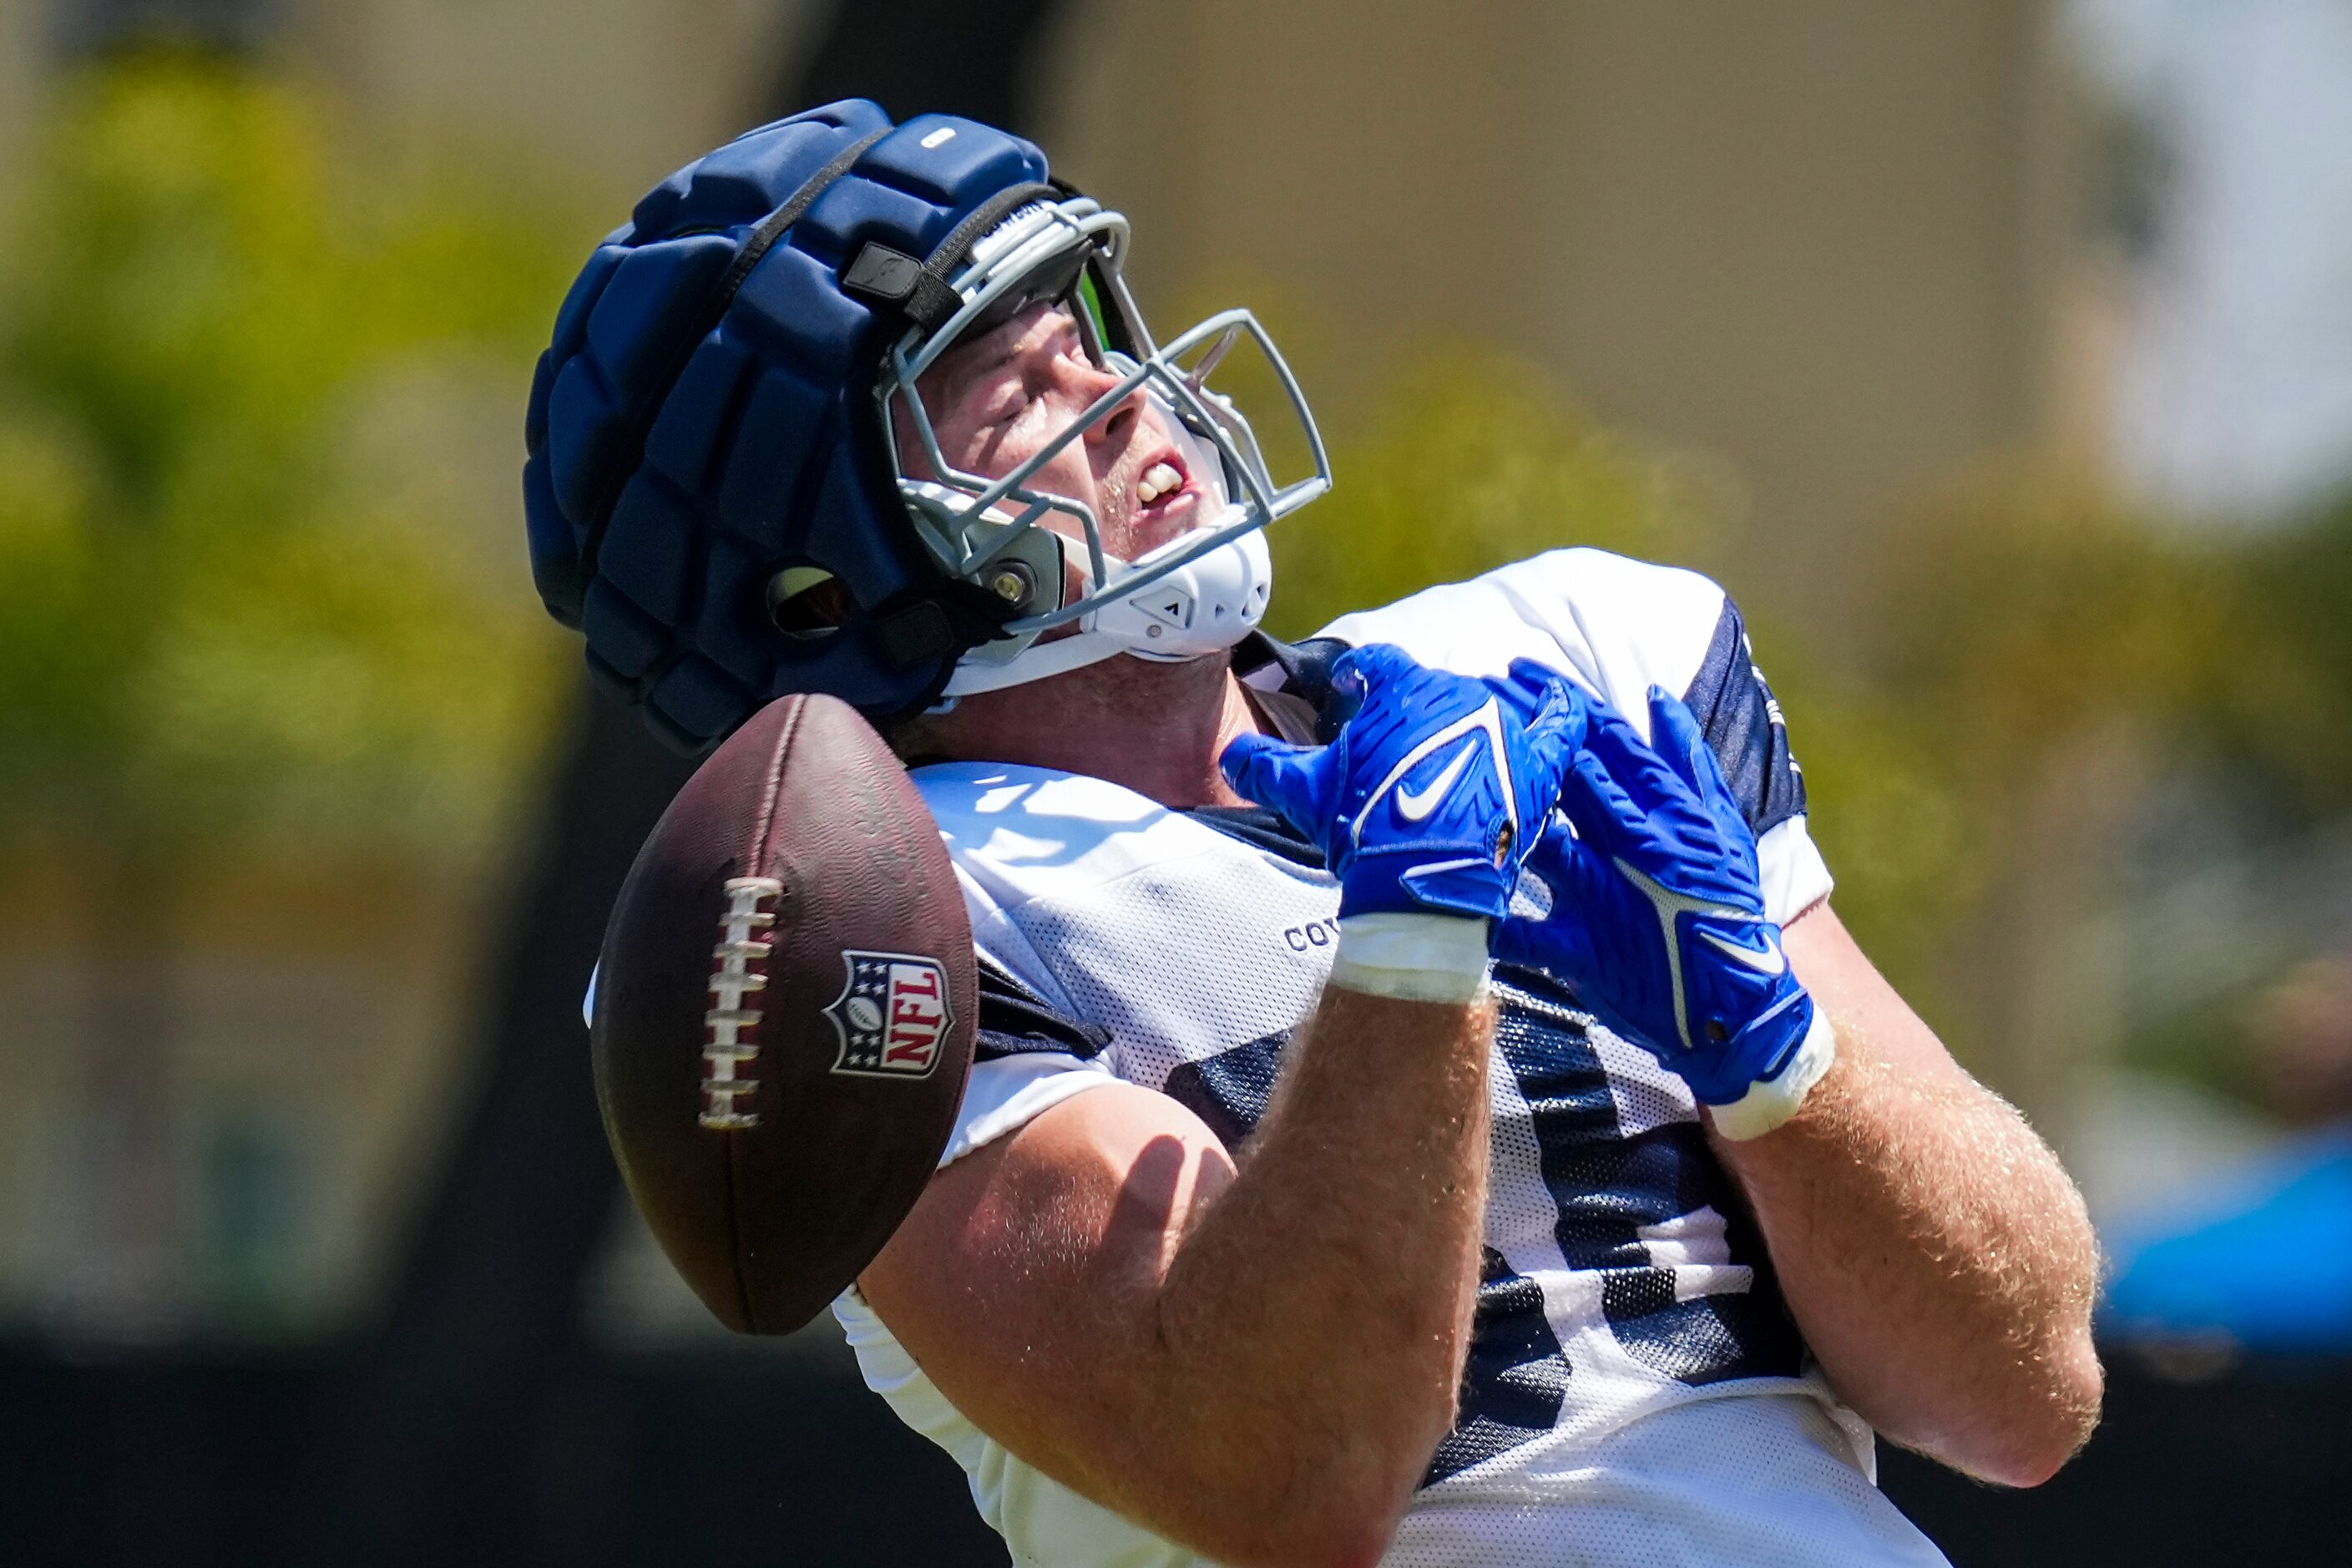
(1658, 920)
(1427, 803)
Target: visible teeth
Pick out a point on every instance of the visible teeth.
(1160, 480)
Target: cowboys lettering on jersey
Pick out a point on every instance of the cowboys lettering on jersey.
(1634, 1388)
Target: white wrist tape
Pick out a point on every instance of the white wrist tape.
(1771, 1101)
(1412, 957)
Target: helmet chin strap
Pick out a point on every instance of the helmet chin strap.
(1201, 608)
(1035, 662)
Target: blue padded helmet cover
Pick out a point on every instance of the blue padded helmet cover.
(677, 462)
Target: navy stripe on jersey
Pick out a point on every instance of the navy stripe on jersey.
(1707, 1339)
(1515, 1380)
(1230, 1090)
(1742, 722)
(1016, 1021)
(1611, 1184)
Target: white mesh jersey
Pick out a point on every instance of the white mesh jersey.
(1635, 1391)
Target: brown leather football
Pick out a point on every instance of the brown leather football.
(784, 1014)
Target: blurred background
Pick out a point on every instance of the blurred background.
(1997, 354)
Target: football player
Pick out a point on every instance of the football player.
(1426, 1110)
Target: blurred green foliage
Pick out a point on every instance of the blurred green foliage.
(1471, 459)
(260, 416)
(2033, 608)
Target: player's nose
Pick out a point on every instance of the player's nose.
(1115, 429)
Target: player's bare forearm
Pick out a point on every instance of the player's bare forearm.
(1359, 1201)
(1934, 1253)
(1108, 1296)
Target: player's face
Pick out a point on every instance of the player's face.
(1000, 399)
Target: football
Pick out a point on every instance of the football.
(785, 1012)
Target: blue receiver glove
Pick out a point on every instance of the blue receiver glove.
(1433, 793)
(1658, 920)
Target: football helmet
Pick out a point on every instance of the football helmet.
(716, 491)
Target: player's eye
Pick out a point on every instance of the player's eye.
(1007, 399)
(1015, 401)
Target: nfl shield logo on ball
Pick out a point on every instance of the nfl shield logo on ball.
(891, 1014)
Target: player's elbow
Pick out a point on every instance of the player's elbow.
(2079, 1386)
(1317, 1537)
(2047, 1430)
(1344, 1547)
(1328, 1510)
(2023, 1461)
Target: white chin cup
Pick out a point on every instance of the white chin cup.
(1202, 608)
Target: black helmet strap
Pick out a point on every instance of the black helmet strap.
(919, 291)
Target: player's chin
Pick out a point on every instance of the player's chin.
(1171, 517)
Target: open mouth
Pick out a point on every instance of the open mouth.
(1160, 485)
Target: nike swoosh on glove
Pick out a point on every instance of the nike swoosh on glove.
(1658, 920)
(1434, 792)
